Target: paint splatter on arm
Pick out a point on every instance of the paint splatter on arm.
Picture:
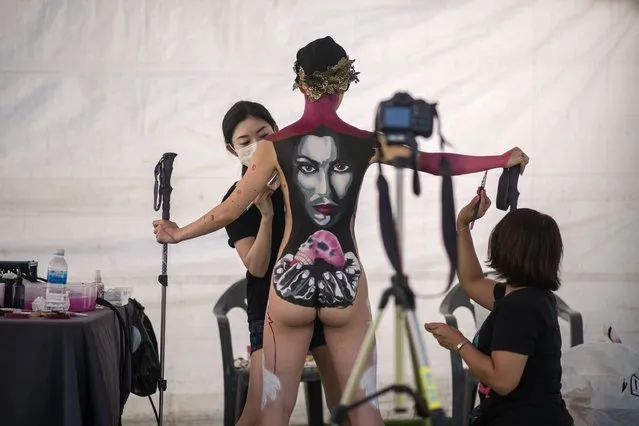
(253, 183)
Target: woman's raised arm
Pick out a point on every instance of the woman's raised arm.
(254, 181)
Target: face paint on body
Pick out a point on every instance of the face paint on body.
(322, 178)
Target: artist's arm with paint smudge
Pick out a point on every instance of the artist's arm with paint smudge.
(429, 162)
(254, 181)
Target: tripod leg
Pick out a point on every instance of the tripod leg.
(414, 359)
(426, 381)
(400, 398)
(340, 412)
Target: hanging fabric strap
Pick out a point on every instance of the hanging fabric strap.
(387, 220)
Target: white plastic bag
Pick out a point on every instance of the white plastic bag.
(600, 384)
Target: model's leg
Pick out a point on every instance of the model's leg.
(344, 344)
(285, 348)
(324, 361)
(251, 412)
(344, 340)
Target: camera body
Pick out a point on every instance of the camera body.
(402, 118)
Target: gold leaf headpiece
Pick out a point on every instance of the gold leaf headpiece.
(336, 79)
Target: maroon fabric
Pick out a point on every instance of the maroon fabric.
(318, 113)
(460, 164)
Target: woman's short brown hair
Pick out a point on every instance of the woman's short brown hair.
(525, 249)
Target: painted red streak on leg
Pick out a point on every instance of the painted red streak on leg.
(270, 325)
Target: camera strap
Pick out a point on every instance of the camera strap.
(388, 224)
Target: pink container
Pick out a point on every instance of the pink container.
(82, 296)
(31, 292)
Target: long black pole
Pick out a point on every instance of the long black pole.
(163, 190)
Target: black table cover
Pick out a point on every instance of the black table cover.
(60, 372)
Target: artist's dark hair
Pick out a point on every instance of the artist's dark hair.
(239, 112)
(525, 249)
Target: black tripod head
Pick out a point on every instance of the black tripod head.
(162, 188)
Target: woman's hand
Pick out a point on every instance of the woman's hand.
(447, 336)
(166, 231)
(465, 215)
(264, 204)
(517, 157)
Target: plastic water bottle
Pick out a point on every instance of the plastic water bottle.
(97, 278)
(57, 296)
(18, 293)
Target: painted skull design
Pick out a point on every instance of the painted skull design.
(319, 274)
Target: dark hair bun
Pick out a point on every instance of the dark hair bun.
(318, 55)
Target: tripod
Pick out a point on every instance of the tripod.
(400, 402)
(425, 396)
(162, 199)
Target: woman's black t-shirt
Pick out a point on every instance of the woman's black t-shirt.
(247, 225)
(524, 322)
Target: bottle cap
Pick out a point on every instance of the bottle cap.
(59, 252)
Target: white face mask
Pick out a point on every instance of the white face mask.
(245, 153)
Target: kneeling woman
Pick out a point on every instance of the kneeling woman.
(516, 354)
(256, 236)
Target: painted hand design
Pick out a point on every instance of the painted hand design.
(319, 275)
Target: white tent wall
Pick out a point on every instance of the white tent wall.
(93, 92)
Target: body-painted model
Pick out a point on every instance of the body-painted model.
(256, 236)
(321, 162)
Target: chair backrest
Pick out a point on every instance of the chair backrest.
(574, 320)
(233, 297)
(457, 298)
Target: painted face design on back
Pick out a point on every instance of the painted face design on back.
(323, 179)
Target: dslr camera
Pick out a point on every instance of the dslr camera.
(402, 118)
